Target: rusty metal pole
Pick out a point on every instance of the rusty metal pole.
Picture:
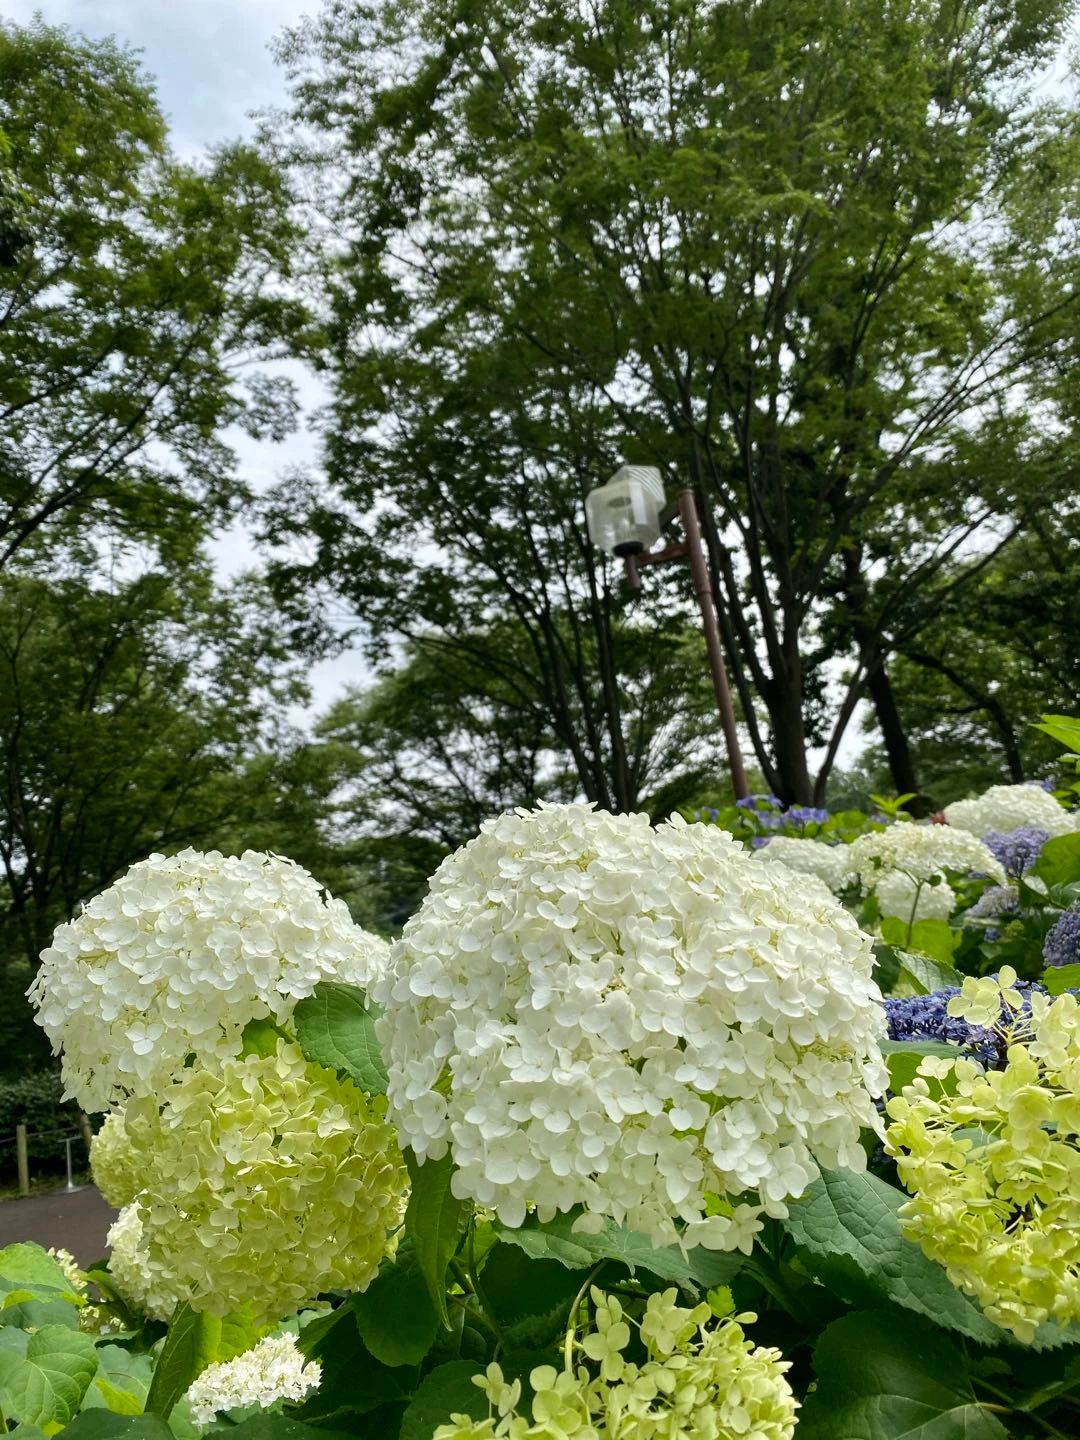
(699, 574)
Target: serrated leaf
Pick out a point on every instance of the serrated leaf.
(395, 1315)
(433, 1222)
(528, 1299)
(927, 974)
(446, 1391)
(848, 1231)
(888, 1376)
(45, 1386)
(191, 1345)
(336, 1028)
(353, 1381)
(557, 1240)
(1059, 978)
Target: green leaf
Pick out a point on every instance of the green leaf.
(122, 1382)
(191, 1345)
(556, 1240)
(925, 973)
(279, 1427)
(336, 1027)
(1059, 978)
(395, 1315)
(528, 1299)
(902, 1058)
(260, 1037)
(848, 1230)
(933, 938)
(888, 1376)
(1059, 862)
(433, 1222)
(353, 1381)
(46, 1386)
(29, 1267)
(104, 1425)
(446, 1391)
(1063, 728)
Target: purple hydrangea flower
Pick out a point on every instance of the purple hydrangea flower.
(760, 802)
(995, 900)
(1062, 943)
(806, 815)
(770, 820)
(759, 841)
(926, 1017)
(1016, 850)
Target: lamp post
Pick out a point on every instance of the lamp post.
(625, 518)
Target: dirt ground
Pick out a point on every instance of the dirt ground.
(76, 1220)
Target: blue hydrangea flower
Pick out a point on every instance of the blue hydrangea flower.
(759, 841)
(1062, 943)
(760, 802)
(769, 819)
(925, 1017)
(806, 815)
(1017, 850)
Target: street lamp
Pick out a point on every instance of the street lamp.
(625, 518)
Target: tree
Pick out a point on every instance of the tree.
(133, 717)
(134, 307)
(775, 246)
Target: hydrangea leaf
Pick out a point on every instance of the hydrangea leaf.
(1059, 978)
(1059, 863)
(396, 1316)
(29, 1267)
(336, 1027)
(848, 1230)
(122, 1382)
(353, 1381)
(925, 973)
(883, 1376)
(281, 1427)
(557, 1240)
(433, 1222)
(28, 1313)
(529, 1299)
(446, 1391)
(103, 1425)
(191, 1345)
(46, 1386)
(936, 939)
(902, 1058)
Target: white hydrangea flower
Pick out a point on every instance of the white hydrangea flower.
(589, 1011)
(809, 857)
(1006, 807)
(145, 1288)
(274, 1370)
(175, 959)
(896, 895)
(920, 852)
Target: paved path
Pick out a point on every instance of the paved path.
(74, 1219)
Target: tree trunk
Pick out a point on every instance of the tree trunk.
(897, 749)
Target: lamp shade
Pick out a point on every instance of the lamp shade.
(624, 515)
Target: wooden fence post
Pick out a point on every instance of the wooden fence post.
(22, 1159)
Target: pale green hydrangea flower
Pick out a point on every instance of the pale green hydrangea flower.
(112, 1163)
(992, 1160)
(268, 1180)
(701, 1379)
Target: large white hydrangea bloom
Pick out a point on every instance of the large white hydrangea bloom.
(920, 853)
(589, 1011)
(809, 857)
(177, 956)
(1007, 807)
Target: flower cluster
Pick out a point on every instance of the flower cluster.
(809, 857)
(698, 1379)
(589, 1011)
(154, 1293)
(927, 1017)
(274, 1370)
(996, 900)
(266, 1181)
(1062, 943)
(112, 1163)
(1008, 807)
(177, 956)
(993, 1168)
(912, 900)
(1016, 850)
(922, 852)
